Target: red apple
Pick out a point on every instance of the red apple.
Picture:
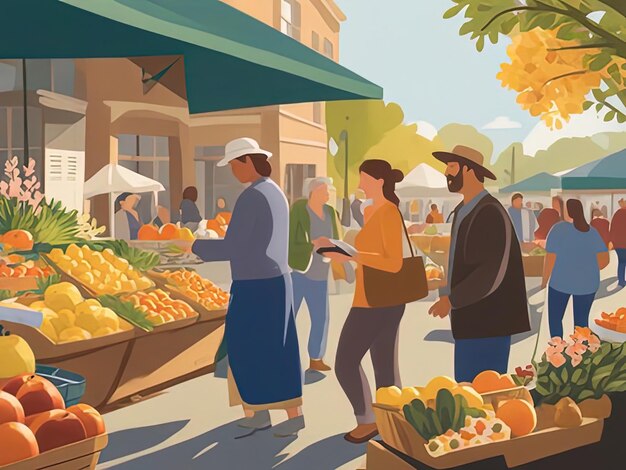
(57, 428)
(38, 395)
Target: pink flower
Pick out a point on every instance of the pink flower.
(556, 359)
(557, 345)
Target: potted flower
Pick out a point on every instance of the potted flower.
(584, 369)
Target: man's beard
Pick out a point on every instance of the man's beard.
(455, 182)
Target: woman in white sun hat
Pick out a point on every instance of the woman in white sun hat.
(261, 337)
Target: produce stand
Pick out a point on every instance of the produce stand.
(79, 456)
(398, 434)
(169, 355)
(436, 247)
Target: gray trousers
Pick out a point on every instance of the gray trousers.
(374, 330)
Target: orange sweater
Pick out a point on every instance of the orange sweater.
(379, 244)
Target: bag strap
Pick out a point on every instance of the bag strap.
(406, 233)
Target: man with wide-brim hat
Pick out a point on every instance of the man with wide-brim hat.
(485, 294)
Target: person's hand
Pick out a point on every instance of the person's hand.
(441, 308)
(338, 257)
(322, 242)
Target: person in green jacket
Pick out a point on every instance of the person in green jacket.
(311, 221)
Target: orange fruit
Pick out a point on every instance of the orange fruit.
(506, 382)
(17, 443)
(91, 419)
(487, 381)
(148, 232)
(11, 409)
(18, 240)
(519, 415)
(168, 232)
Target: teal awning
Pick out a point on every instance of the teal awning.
(608, 173)
(539, 183)
(231, 60)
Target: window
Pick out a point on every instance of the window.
(315, 41)
(317, 113)
(148, 156)
(329, 49)
(12, 136)
(290, 15)
(55, 75)
(214, 182)
(295, 174)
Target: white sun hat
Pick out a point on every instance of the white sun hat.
(240, 147)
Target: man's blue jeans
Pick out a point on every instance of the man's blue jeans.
(557, 303)
(472, 356)
(315, 293)
(621, 266)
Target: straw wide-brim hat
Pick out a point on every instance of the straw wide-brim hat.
(463, 154)
(241, 147)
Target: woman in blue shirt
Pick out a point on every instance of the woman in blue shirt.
(576, 254)
(261, 338)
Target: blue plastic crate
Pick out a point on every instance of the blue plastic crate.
(70, 385)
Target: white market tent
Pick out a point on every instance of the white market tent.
(423, 181)
(113, 180)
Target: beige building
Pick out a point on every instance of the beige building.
(103, 109)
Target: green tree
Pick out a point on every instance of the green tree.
(404, 149)
(603, 42)
(366, 123)
(452, 135)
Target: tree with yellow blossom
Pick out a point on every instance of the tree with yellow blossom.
(566, 55)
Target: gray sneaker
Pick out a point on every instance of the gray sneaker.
(260, 420)
(290, 428)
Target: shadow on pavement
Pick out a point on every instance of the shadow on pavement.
(440, 336)
(131, 441)
(313, 376)
(220, 450)
(329, 453)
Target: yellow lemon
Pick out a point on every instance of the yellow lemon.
(38, 305)
(109, 255)
(474, 400)
(62, 296)
(74, 334)
(409, 394)
(104, 331)
(437, 383)
(48, 330)
(56, 254)
(49, 313)
(86, 251)
(74, 252)
(65, 319)
(121, 264)
(186, 234)
(89, 320)
(83, 267)
(143, 283)
(391, 396)
(108, 318)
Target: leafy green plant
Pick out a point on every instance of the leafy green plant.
(49, 223)
(580, 369)
(6, 294)
(127, 311)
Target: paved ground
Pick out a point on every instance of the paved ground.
(190, 426)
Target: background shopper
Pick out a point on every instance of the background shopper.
(576, 254)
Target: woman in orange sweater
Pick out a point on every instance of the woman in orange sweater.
(379, 245)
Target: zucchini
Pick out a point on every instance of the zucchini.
(445, 406)
(434, 419)
(416, 416)
(458, 421)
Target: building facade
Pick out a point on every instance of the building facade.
(85, 113)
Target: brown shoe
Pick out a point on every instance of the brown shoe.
(362, 433)
(318, 365)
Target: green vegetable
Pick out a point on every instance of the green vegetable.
(434, 419)
(141, 260)
(415, 414)
(433, 446)
(49, 222)
(460, 403)
(6, 294)
(497, 427)
(127, 311)
(454, 444)
(475, 413)
(445, 406)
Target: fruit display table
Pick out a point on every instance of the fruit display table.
(167, 356)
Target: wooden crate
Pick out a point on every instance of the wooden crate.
(399, 434)
(78, 456)
(533, 265)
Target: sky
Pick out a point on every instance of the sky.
(423, 64)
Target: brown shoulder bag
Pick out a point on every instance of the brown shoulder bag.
(386, 289)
